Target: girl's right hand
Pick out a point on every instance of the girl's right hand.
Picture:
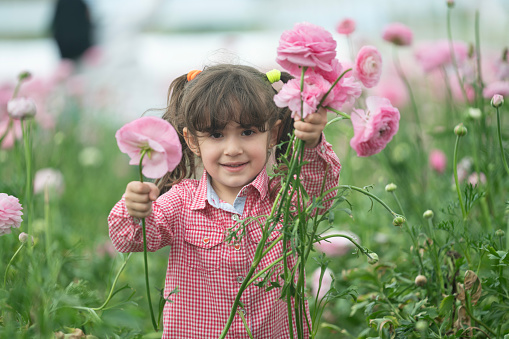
(139, 197)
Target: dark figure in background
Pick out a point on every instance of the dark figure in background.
(72, 28)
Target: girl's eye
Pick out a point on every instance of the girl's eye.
(248, 132)
(215, 135)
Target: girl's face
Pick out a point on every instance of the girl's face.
(233, 156)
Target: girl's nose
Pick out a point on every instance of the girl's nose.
(233, 147)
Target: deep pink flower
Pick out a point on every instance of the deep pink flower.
(306, 45)
(497, 87)
(346, 26)
(336, 246)
(375, 127)
(368, 66)
(438, 160)
(398, 34)
(290, 95)
(433, 55)
(10, 213)
(346, 90)
(158, 138)
(20, 108)
(326, 282)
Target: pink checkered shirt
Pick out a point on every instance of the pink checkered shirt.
(208, 271)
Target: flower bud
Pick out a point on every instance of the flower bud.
(450, 3)
(24, 75)
(23, 237)
(390, 187)
(499, 233)
(497, 100)
(421, 280)
(421, 325)
(372, 258)
(398, 221)
(460, 130)
(428, 214)
(19, 108)
(474, 113)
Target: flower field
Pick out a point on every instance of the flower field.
(421, 214)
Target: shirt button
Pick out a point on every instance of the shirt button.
(241, 310)
(236, 247)
(235, 217)
(206, 240)
(240, 279)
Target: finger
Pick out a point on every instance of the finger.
(139, 210)
(154, 191)
(138, 187)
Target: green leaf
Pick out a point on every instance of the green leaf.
(446, 305)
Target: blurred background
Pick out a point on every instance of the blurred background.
(138, 47)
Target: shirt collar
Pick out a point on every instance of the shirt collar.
(260, 183)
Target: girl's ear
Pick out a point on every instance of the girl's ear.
(274, 133)
(191, 141)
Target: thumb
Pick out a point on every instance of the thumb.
(154, 191)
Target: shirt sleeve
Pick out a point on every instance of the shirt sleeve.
(322, 164)
(126, 232)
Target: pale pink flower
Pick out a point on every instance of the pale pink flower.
(10, 213)
(306, 45)
(346, 26)
(158, 138)
(497, 100)
(392, 88)
(326, 282)
(336, 246)
(476, 179)
(346, 90)
(49, 178)
(20, 108)
(398, 33)
(497, 87)
(106, 248)
(375, 127)
(368, 66)
(464, 167)
(438, 160)
(437, 54)
(290, 95)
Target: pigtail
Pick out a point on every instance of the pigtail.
(187, 166)
(286, 129)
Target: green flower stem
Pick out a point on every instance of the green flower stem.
(468, 308)
(480, 85)
(331, 87)
(9, 126)
(371, 195)
(10, 261)
(25, 127)
(342, 114)
(399, 204)
(154, 323)
(245, 325)
(456, 181)
(435, 254)
(453, 56)
(500, 142)
(113, 285)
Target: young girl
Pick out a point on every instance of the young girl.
(227, 118)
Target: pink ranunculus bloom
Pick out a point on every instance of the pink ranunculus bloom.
(497, 100)
(438, 160)
(326, 282)
(158, 138)
(50, 178)
(10, 213)
(346, 26)
(368, 66)
(346, 90)
(306, 45)
(398, 33)
(476, 179)
(290, 95)
(20, 108)
(434, 55)
(375, 127)
(336, 246)
(497, 87)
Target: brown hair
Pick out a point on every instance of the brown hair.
(216, 96)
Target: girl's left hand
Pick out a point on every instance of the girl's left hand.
(310, 130)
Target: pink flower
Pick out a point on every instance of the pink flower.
(346, 26)
(497, 100)
(476, 179)
(398, 34)
(464, 167)
(433, 55)
(375, 127)
(368, 66)
(10, 213)
(497, 87)
(157, 138)
(326, 282)
(20, 108)
(336, 246)
(290, 95)
(306, 45)
(50, 178)
(438, 160)
(346, 90)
